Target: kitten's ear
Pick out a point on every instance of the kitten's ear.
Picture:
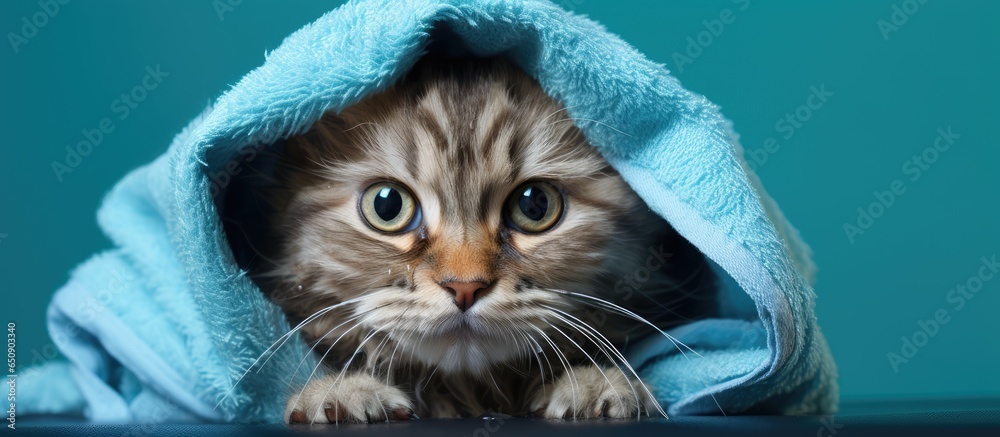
(328, 141)
(341, 138)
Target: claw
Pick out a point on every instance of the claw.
(335, 413)
(297, 417)
(603, 410)
(403, 414)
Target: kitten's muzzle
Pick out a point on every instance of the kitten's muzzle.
(466, 293)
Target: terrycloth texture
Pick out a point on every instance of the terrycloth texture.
(168, 319)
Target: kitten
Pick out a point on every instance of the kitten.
(450, 244)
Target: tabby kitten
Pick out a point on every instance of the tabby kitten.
(453, 245)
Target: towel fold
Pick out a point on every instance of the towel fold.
(162, 327)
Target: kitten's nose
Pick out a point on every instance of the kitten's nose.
(465, 292)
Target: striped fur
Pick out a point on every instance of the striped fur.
(461, 134)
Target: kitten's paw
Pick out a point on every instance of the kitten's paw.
(586, 392)
(352, 398)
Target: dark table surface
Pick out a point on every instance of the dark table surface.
(870, 418)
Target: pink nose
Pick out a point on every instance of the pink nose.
(465, 292)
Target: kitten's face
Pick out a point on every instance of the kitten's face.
(446, 207)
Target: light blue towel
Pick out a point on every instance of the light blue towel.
(163, 326)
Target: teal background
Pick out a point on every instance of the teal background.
(889, 98)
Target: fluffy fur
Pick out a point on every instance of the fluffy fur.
(461, 135)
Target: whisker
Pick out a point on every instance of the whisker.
(388, 371)
(609, 346)
(312, 318)
(594, 362)
(365, 123)
(610, 305)
(346, 366)
(576, 119)
(527, 343)
(320, 362)
(384, 342)
(567, 366)
(373, 359)
(322, 359)
(427, 381)
(499, 391)
(317, 343)
(677, 343)
(281, 342)
(597, 337)
(563, 109)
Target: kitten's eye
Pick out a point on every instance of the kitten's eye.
(534, 207)
(389, 207)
